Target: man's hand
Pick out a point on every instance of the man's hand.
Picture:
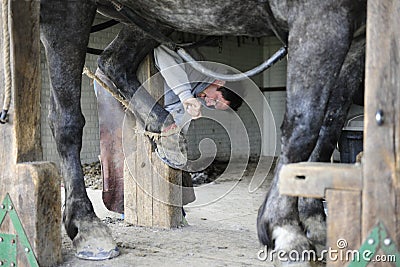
(192, 107)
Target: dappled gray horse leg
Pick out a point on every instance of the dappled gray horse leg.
(65, 27)
(317, 49)
(120, 61)
(350, 79)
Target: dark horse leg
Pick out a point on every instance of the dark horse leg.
(350, 79)
(317, 49)
(65, 27)
(119, 62)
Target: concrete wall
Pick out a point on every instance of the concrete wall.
(240, 53)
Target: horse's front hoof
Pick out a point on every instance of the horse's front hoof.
(94, 241)
(96, 253)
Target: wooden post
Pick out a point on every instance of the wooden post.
(33, 186)
(381, 162)
(152, 193)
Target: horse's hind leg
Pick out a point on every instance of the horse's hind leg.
(317, 49)
(119, 62)
(65, 28)
(350, 79)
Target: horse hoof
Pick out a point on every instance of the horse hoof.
(94, 241)
(172, 149)
(170, 161)
(96, 253)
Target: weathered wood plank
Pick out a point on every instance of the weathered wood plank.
(42, 221)
(167, 194)
(344, 225)
(313, 179)
(130, 185)
(154, 195)
(130, 170)
(130, 192)
(144, 182)
(34, 187)
(381, 162)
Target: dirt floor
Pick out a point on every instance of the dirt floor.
(222, 233)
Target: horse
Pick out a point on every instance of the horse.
(324, 70)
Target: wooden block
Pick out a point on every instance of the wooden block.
(312, 179)
(167, 194)
(153, 194)
(39, 199)
(36, 198)
(344, 225)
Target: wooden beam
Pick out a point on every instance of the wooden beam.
(313, 179)
(33, 186)
(152, 192)
(381, 162)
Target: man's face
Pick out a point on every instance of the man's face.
(213, 97)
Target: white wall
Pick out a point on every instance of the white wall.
(274, 77)
(271, 128)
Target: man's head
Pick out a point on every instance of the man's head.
(220, 97)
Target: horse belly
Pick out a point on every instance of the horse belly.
(210, 17)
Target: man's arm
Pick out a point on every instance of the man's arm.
(174, 73)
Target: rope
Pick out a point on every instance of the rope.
(7, 63)
(154, 136)
(93, 76)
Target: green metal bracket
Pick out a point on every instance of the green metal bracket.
(377, 239)
(9, 247)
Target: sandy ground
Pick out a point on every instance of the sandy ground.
(222, 233)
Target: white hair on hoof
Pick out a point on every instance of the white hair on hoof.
(291, 245)
(290, 237)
